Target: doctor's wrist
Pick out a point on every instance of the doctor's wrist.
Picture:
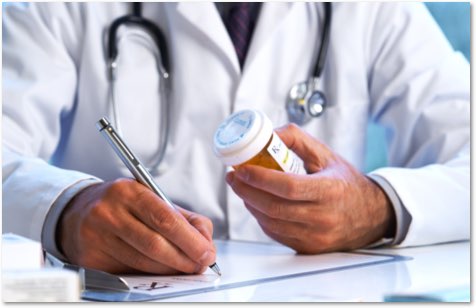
(50, 226)
(63, 231)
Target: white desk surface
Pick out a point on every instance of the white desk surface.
(432, 268)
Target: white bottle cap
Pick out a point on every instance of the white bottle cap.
(241, 136)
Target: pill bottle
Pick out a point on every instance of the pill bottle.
(247, 138)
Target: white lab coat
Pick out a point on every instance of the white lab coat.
(386, 63)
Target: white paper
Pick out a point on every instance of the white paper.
(244, 263)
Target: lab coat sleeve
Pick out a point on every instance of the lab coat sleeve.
(39, 88)
(402, 216)
(48, 234)
(420, 93)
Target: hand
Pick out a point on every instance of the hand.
(123, 227)
(332, 208)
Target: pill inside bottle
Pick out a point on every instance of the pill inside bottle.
(247, 137)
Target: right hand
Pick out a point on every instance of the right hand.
(124, 227)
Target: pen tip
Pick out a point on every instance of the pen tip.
(216, 269)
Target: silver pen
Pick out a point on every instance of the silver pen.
(135, 166)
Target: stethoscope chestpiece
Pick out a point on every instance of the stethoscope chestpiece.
(316, 104)
(305, 102)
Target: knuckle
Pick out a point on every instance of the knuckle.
(293, 128)
(101, 215)
(122, 187)
(137, 262)
(330, 221)
(117, 186)
(273, 226)
(274, 210)
(154, 245)
(98, 210)
(168, 223)
(326, 242)
(143, 196)
(163, 219)
(292, 190)
(194, 217)
(208, 223)
(202, 221)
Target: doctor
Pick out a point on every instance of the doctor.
(385, 62)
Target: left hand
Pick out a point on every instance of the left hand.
(332, 208)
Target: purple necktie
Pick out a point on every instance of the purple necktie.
(240, 27)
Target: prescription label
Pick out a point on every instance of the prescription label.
(285, 158)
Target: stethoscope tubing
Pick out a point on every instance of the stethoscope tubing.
(321, 58)
(163, 60)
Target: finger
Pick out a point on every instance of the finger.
(168, 222)
(310, 215)
(124, 253)
(314, 153)
(103, 261)
(302, 241)
(296, 187)
(295, 243)
(269, 204)
(279, 227)
(148, 265)
(201, 223)
(148, 249)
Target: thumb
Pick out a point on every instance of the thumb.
(315, 154)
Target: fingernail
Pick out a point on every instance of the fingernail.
(204, 257)
(230, 177)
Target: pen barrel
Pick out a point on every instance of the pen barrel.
(146, 179)
(130, 160)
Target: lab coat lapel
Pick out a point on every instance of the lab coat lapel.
(211, 25)
(272, 15)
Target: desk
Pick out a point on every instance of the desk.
(432, 268)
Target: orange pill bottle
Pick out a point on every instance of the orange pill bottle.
(247, 138)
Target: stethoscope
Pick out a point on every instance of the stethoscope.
(304, 102)
(163, 67)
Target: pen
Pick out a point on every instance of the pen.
(135, 166)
